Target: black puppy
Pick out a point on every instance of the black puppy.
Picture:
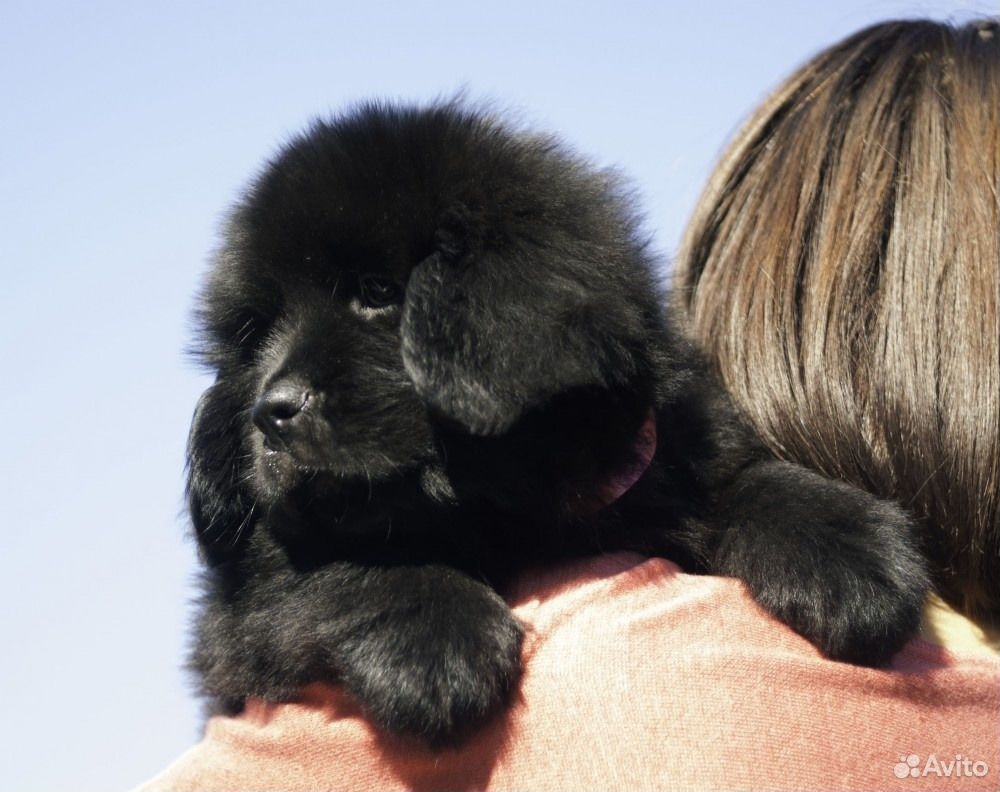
(442, 356)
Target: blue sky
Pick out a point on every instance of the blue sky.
(126, 129)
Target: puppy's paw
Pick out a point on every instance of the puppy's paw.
(835, 563)
(862, 610)
(443, 675)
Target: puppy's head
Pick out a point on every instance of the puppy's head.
(392, 272)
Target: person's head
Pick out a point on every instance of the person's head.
(841, 272)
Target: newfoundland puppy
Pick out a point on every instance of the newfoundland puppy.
(442, 356)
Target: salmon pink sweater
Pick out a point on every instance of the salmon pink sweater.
(639, 676)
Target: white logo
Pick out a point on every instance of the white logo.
(959, 767)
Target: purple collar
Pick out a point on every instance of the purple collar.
(644, 449)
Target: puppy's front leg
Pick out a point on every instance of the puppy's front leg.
(432, 653)
(835, 563)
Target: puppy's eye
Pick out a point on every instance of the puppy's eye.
(379, 292)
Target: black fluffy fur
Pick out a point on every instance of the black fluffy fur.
(451, 333)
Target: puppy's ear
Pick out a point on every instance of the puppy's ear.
(222, 511)
(492, 329)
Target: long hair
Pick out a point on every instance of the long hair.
(842, 271)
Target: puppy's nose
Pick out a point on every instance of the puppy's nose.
(280, 412)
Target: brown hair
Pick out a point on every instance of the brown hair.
(842, 273)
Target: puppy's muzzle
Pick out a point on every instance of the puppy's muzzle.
(282, 413)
